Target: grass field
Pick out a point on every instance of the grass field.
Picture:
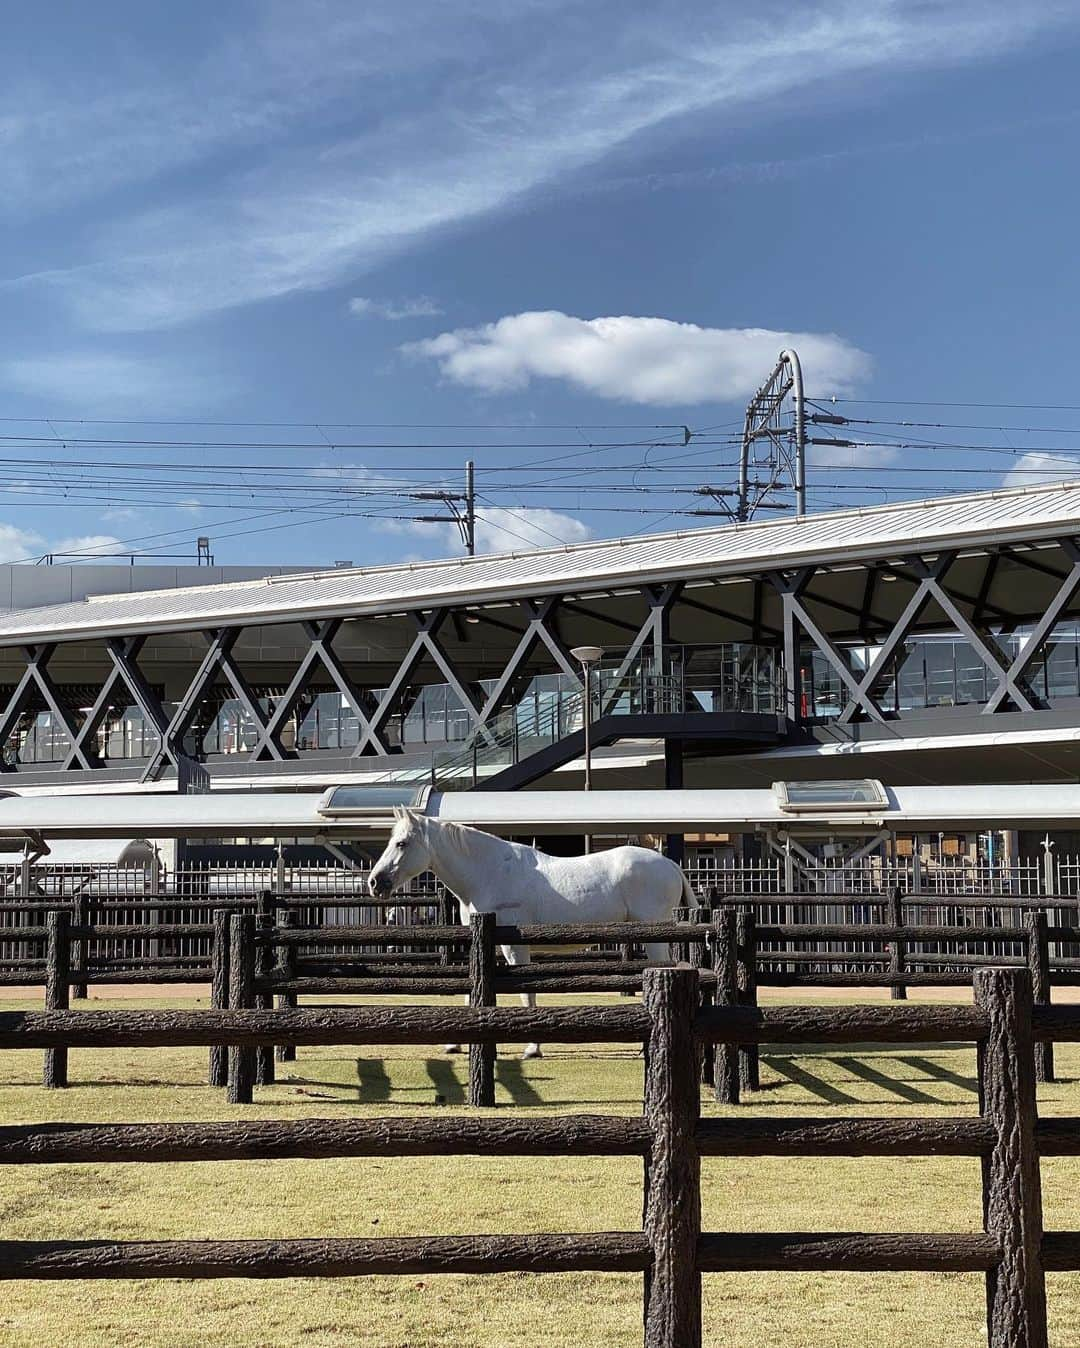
(459, 1195)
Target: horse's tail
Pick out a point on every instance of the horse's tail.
(689, 897)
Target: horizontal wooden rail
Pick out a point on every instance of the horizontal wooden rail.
(566, 1135)
(315, 1025)
(846, 1252)
(858, 931)
(780, 979)
(604, 1252)
(1056, 1024)
(1058, 1136)
(843, 1024)
(843, 1137)
(1061, 1251)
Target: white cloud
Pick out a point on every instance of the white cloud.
(17, 544)
(87, 545)
(336, 137)
(640, 360)
(500, 529)
(510, 528)
(99, 383)
(1033, 470)
(119, 514)
(395, 310)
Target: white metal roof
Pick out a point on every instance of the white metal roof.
(297, 815)
(1024, 512)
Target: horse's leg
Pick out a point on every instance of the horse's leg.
(519, 954)
(657, 952)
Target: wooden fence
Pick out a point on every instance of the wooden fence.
(257, 956)
(671, 1250)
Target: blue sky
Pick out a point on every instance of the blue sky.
(419, 231)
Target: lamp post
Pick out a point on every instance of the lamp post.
(587, 656)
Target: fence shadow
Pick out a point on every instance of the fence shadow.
(448, 1089)
(799, 1076)
(900, 1089)
(940, 1073)
(509, 1073)
(373, 1082)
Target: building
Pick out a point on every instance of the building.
(925, 642)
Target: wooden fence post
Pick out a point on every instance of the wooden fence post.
(725, 1056)
(57, 990)
(482, 993)
(678, 950)
(218, 1070)
(264, 1000)
(1038, 953)
(673, 1167)
(80, 948)
(1012, 1202)
(897, 948)
(241, 996)
(746, 943)
(286, 967)
(698, 952)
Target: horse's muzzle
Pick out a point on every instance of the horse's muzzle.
(380, 886)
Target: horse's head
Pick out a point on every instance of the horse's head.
(406, 854)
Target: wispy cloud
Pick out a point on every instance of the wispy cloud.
(102, 384)
(395, 310)
(1033, 470)
(634, 359)
(87, 545)
(379, 124)
(502, 529)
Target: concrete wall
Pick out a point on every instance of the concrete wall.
(23, 586)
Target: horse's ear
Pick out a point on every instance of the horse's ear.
(399, 812)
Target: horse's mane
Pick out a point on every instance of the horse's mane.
(462, 837)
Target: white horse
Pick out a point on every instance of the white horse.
(522, 885)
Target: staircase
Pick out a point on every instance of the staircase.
(545, 730)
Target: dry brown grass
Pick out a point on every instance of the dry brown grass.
(409, 1196)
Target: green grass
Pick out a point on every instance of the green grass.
(459, 1195)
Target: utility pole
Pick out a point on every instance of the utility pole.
(461, 505)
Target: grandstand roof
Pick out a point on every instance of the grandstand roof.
(1026, 513)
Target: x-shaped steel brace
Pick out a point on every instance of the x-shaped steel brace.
(1034, 643)
(321, 636)
(36, 676)
(125, 672)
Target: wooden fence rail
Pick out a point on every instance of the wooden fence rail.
(671, 1250)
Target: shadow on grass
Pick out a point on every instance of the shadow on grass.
(824, 1090)
(509, 1074)
(935, 1070)
(911, 1094)
(445, 1080)
(373, 1083)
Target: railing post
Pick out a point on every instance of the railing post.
(218, 1070)
(264, 1000)
(1012, 1202)
(746, 944)
(1038, 953)
(286, 967)
(241, 994)
(679, 950)
(897, 947)
(698, 957)
(673, 1166)
(482, 993)
(725, 1056)
(80, 948)
(57, 989)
